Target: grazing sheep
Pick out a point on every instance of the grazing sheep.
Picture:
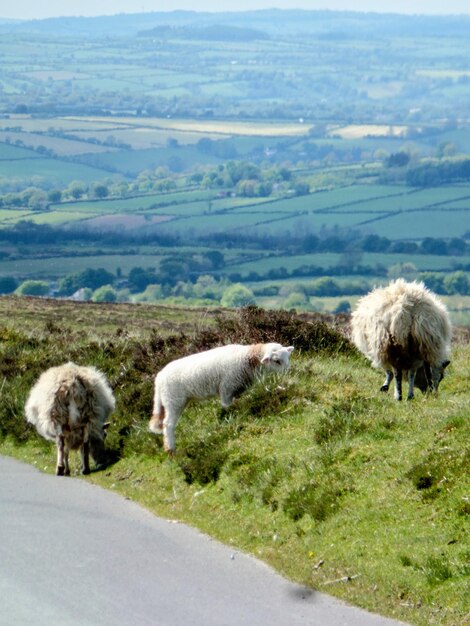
(70, 404)
(226, 371)
(404, 327)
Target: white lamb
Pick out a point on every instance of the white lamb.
(70, 404)
(404, 327)
(226, 371)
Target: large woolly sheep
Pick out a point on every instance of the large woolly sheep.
(226, 371)
(404, 327)
(70, 404)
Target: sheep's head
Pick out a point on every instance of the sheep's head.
(437, 374)
(97, 446)
(277, 357)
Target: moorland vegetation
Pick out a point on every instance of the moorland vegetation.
(335, 484)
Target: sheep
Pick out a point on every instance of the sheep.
(225, 371)
(70, 404)
(404, 327)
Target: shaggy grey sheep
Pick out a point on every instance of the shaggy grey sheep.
(404, 327)
(70, 404)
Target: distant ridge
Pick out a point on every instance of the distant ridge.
(288, 22)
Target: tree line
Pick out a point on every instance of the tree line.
(27, 232)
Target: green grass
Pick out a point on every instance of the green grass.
(57, 267)
(424, 262)
(54, 170)
(421, 224)
(316, 473)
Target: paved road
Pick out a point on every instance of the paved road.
(73, 554)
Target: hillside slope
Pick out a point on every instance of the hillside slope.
(337, 486)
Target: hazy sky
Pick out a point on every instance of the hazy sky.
(31, 9)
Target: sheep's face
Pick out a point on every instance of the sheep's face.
(437, 374)
(277, 359)
(97, 446)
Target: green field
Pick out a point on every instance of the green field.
(327, 112)
(56, 172)
(390, 211)
(422, 262)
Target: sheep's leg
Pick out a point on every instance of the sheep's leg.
(66, 460)
(226, 400)
(169, 425)
(387, 381)
(85, 456)
(157, 420)
(60, 467)
(411, 384)
(429, 377)
(398, 373)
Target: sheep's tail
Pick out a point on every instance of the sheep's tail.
(158, 415)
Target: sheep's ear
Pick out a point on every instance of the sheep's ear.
(266, 359)
(290, 349)
(445, 364)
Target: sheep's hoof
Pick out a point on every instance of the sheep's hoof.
(410, 398)
(85, 471)
(60, 470)
(67, 472)
(384, 388)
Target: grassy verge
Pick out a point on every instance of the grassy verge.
(334, 485)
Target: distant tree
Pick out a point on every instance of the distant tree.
(106, 293)
(237, 296)
(296, 300)
(37, 200)
(77, 189)
(54, 195)
(343, 306)
(310, 243)
(301, 188)
(446, 149)
(398, 159)
(325, 286)
(430, 245)
(207, 287)
(205, 145)
(139, 278)
(457, 283)
(457, 246)
(86, 294)
(173, 269)
(402, 270)
(375, 243)
(90, 278)
(100, 190)
(33, 288)
(407, 247)
(433, 281)
(8, 284)
(216, 258)
(150, 294)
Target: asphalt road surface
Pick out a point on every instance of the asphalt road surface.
(73, 554)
